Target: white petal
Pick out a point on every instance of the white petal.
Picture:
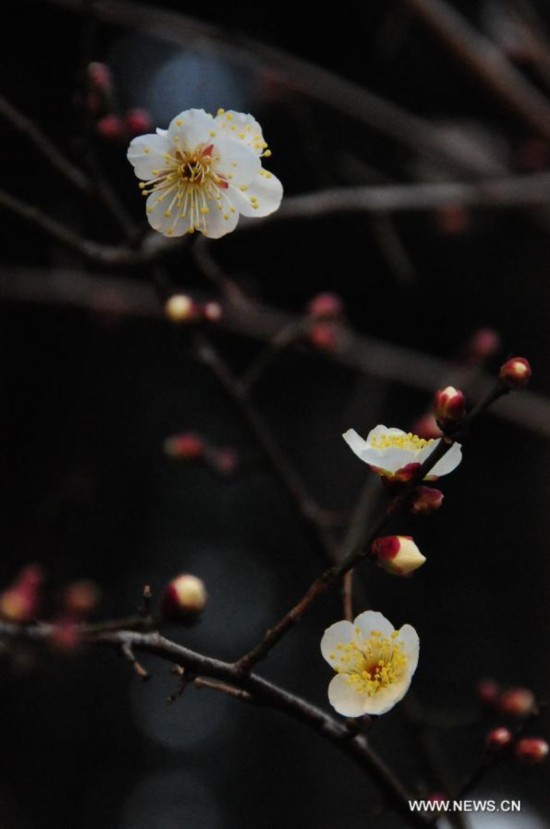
(389, 459)
(386, 698)
(221, 218)
(411, 642)
(344, 698)
(340, 633)
(261, 197)
(173, 225)
(241, 127)
(235, 162)
(147, 154)
(448, 462)
(191, 128)
(355, 442)
(372, 620)
(160, 131)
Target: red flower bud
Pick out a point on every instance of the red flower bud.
(426, 499)
(20, 602)
(65, 635)
(184, 599)
(515, 372)
(449, 407)
(488, 692)
(325, 305)
(111, 128)
(138, 122)
(225, 461)
(100, 77)
(516, 702)
(324, 336)
(185, 447)
(498, 739)
(81, 598)
(397, 554)
(482, 345)
(531, 750)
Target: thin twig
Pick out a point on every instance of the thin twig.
(224, 688)
(486, 62)
(31, 130)
(128, 653)
(328, 727)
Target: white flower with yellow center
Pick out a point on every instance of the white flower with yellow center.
(373, 661)
(203, 172)
(393, 452)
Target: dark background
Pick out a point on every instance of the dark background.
(90, 397)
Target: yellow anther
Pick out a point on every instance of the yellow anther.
(221, 111)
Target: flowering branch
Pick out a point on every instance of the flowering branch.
(252, 688)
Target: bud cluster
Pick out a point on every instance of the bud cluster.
(190, 447)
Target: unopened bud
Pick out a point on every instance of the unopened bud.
(531, 750)
(498, 739)
(398, 554)
(426, 427)
(483, 344)
(449, 407)
(212, 311)
(452, 219)
(488, 692)
(111, 128)
(65, 635)
(425, 499)
(225, 461)
(21, 601)
(185, 447)
(517, 703)
(81, 598)
(324, 336)
(184, 599)
(100, 77)
(138, 122)
(326, 305)
(515, 372)
(180, 308)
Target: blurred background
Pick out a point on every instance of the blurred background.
(95, 380)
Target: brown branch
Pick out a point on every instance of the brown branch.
(486, 62)
(337, 732)
(356, 549)
(366, 355)
(24, 125)
(224, 688)
(128, 653)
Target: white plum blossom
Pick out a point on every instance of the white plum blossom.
(203, 172)
(393, 452)
(374, 663)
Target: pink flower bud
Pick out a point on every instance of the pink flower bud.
(138, 122)
(397, 554)
(212, 311)
(324, 336)
(426, 427)
(482, 345)
(184, 599)
(100, 77)
(326, 305)
(65, 635)
(453, 219)
(21, 601)
(111, 128)
(81, 598)
(498, 739)
(449, 407)
(185, 447)
(531, 750)
(516, 703)
(488, 692)
(515, 372)
(225, 461)
(180, 308)
(425, 499)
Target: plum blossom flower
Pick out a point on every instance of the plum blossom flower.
(394, 453)
(374, 663)
(203, 172)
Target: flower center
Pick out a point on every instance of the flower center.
(373, 664)
(410, 442)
